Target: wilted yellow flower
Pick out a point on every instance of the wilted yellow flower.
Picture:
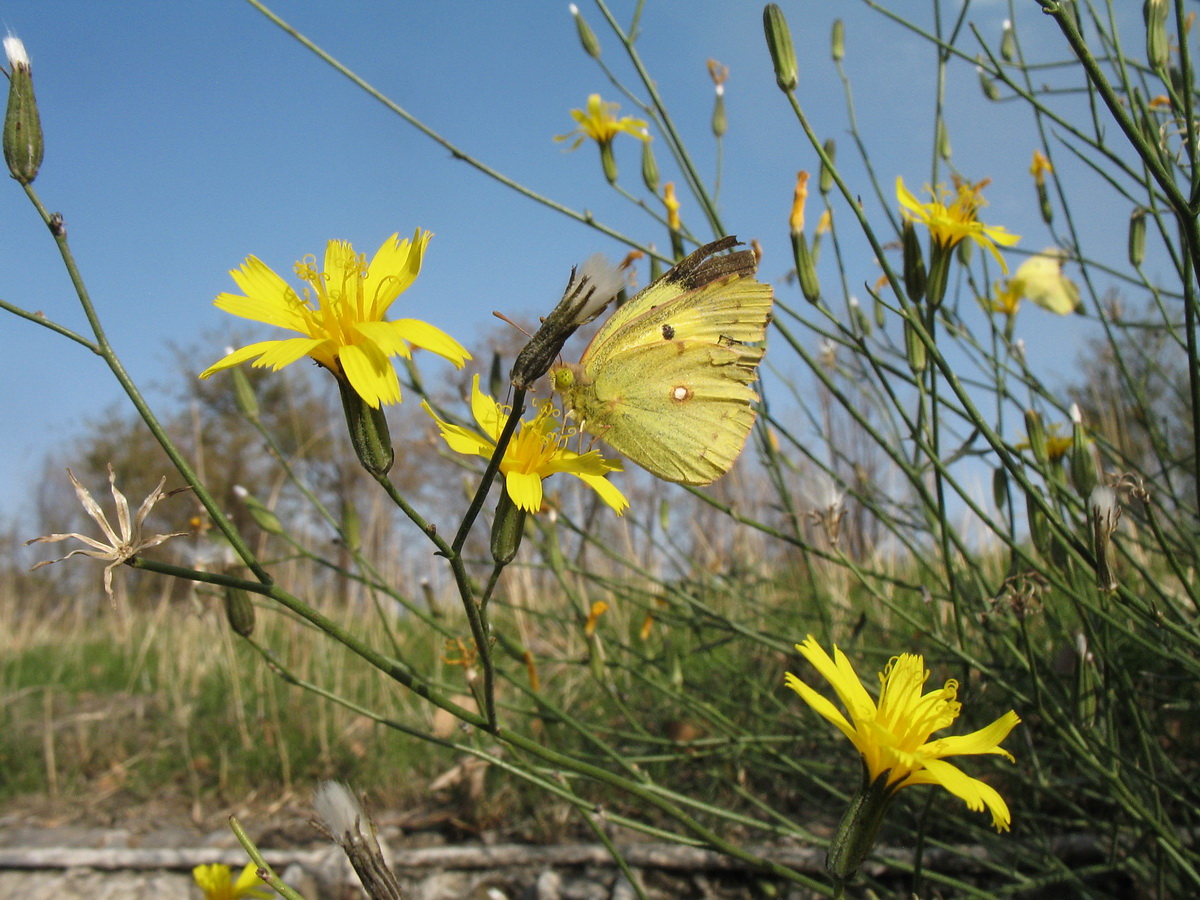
(949, 223)
(1040, 168)
(599, 123)
(672, 205)
(216, 881)
(537, 450)
(893, 736)
(799, 198)
(124, 542)
(341, 315)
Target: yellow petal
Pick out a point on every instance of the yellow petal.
(984, 741)
(608, 492)
(525, 489)
(370, 373)
(395, 266)
(422, 334)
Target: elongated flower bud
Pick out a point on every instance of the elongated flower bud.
(914, 263)
(1158, 45)
(826, 179)
(239, 611)
(1036, 433)
(23, 147)
(263, 517)
(1137, 237)
(587, 37)
(859, 828)
(1104, 510)
(369, 434)
(987, 85)
(1008, 42)
(649, 168)
(243, 394)
(508, 527)
(779, 43)
(720, 124)
(837, 40)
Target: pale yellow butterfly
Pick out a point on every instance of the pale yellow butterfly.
(667, 379)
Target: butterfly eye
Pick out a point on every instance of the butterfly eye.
(668, 333)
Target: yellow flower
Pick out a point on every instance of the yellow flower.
(672, 204)
(1040, 168)
(341, 316)
(600, 123)
(216, 883)
(537, 450)
(125, 541)
(950, 224)
(1057, 443)
(893, 735)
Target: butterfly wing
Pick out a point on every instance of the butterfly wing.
(704, 297)
(679, 409)
(666, 380)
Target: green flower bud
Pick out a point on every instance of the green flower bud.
(608, 162)
(23, 147)
(1036, 433)
(1008, 43)
(1158, 45)
(837, 40)
(943, 140)
(1000, 495)
(719, 123)
(369, 433)
(1104, 510)
(862, 324)
(915, 279)
(914, 348)
(1044, 204)
(243, 394)
(239, 611)
(826, 180)
(1084, 474)
(1039, 528)
(263, 517)
(1137, 237)
(508, 527)
(649, 168)
(587, 37)
(859, 828)
(987, 85)
(779, 43)
(806, 270)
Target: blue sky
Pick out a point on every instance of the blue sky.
(181, 137)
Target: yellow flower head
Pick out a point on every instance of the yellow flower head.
(599, 122)
(217, 884)
(1040, 168)
(341, 315)
(536, 451)
(949, 223)
(1057, 443)
(893, 735)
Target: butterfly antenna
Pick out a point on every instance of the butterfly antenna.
(503, 318)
